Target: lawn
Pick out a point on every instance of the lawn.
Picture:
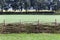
(24, 36)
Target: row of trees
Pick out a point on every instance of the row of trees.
(29, 4)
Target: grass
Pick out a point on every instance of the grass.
(24, 36)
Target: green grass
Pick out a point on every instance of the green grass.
(29, 18)
(30, 36)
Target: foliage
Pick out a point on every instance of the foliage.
(36, 4)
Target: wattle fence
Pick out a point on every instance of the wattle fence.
(29, 28)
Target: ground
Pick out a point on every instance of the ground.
(33, 36)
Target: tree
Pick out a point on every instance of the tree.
(21, 4)
(14, 6)
(26, 6)
(1, 4)
(6, 8)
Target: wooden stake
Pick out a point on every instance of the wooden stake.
(55, 22)
(4, 23)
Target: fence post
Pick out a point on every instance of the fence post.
(38, 23)
(3, 27)
(4, 22)
(55, 22)
(55, 26)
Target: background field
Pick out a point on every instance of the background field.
(22, 18)
(24, 36)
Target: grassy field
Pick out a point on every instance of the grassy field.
(24, 36)
(29, 18)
